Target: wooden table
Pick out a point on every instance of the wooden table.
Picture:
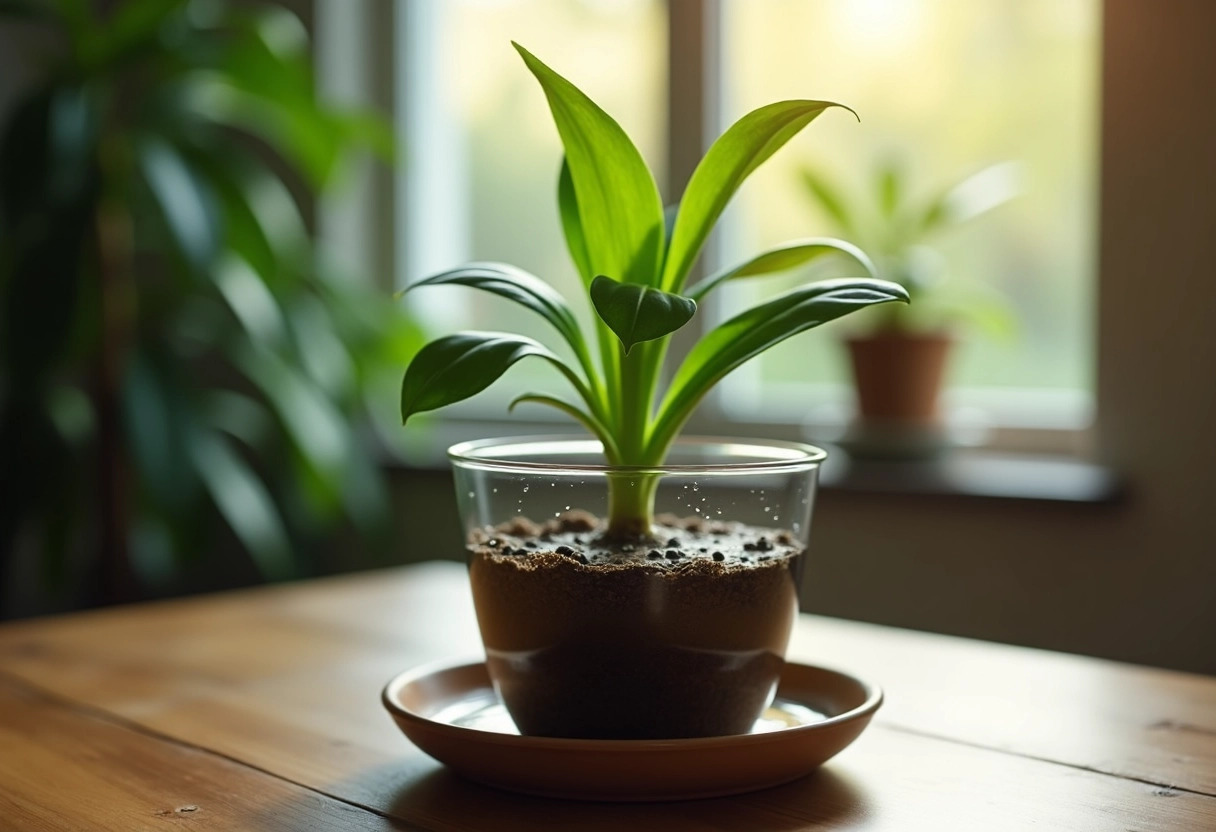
(259, 710)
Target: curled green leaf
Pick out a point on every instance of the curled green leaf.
(516, 285)
(587, 420)
(755, 330)
(639, 313)
(458, 366)
(782, 258)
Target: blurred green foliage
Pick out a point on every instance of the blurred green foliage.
(897, 226)
(174, 349)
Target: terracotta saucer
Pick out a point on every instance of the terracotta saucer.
(453, 714)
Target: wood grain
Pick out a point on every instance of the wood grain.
(973, 735)
(64, 769)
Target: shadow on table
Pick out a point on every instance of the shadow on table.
(823, 799)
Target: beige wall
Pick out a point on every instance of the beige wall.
(1135, 581)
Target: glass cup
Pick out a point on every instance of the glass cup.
(599, 625)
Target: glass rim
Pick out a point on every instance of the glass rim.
(785, 455)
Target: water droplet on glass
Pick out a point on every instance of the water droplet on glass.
(567, 508)
(525, 489)
(470, 495)
(767, 509)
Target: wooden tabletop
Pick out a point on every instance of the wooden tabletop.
(259, 710)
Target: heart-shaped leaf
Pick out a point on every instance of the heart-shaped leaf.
(621, 215)
(729, 161)
(782, 258)
(750, 333)
(639, 313)
(454, 368)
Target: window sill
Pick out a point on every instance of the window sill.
(968, 473)
(979, 474)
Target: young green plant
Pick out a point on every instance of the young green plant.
(634, 259)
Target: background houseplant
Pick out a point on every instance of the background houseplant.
(634, 259)
(899, 354)
(175, 352)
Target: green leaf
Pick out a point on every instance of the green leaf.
(890, 190)
(827, 195)
(185, 202)
(639, 313)
(750, 333)
(323, 353)
(158, 414)
(782, 258)
(458, 366)
(322, 437)
(732, 158)
(308, 139)
(250, 301)
(620, 213)
(572, 225)
(587, 420)
(977, 194)
(516, 285)
(244, 502)
(131, 30)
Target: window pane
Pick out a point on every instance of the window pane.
(946, 88)
(484, 151)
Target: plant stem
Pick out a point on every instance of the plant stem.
(631, 505)
(631, 495)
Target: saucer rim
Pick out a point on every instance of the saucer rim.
(389, 697)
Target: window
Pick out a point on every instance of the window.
(994, 80)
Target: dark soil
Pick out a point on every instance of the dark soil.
(682, 636)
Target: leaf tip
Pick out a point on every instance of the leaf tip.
(523, 53)
(844, 107)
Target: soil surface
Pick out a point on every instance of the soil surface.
(680, 636)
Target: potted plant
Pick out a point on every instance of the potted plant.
(899, 354)
(176, 355)
(636, 585)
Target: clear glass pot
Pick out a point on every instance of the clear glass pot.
(635, 603)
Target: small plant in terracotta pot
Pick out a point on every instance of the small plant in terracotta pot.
(636, 584)
(899, 355)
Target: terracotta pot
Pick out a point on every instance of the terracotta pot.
(898, 377)
(681, 634)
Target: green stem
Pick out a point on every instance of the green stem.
(631, 495)
(631, 505)
(609, 349)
